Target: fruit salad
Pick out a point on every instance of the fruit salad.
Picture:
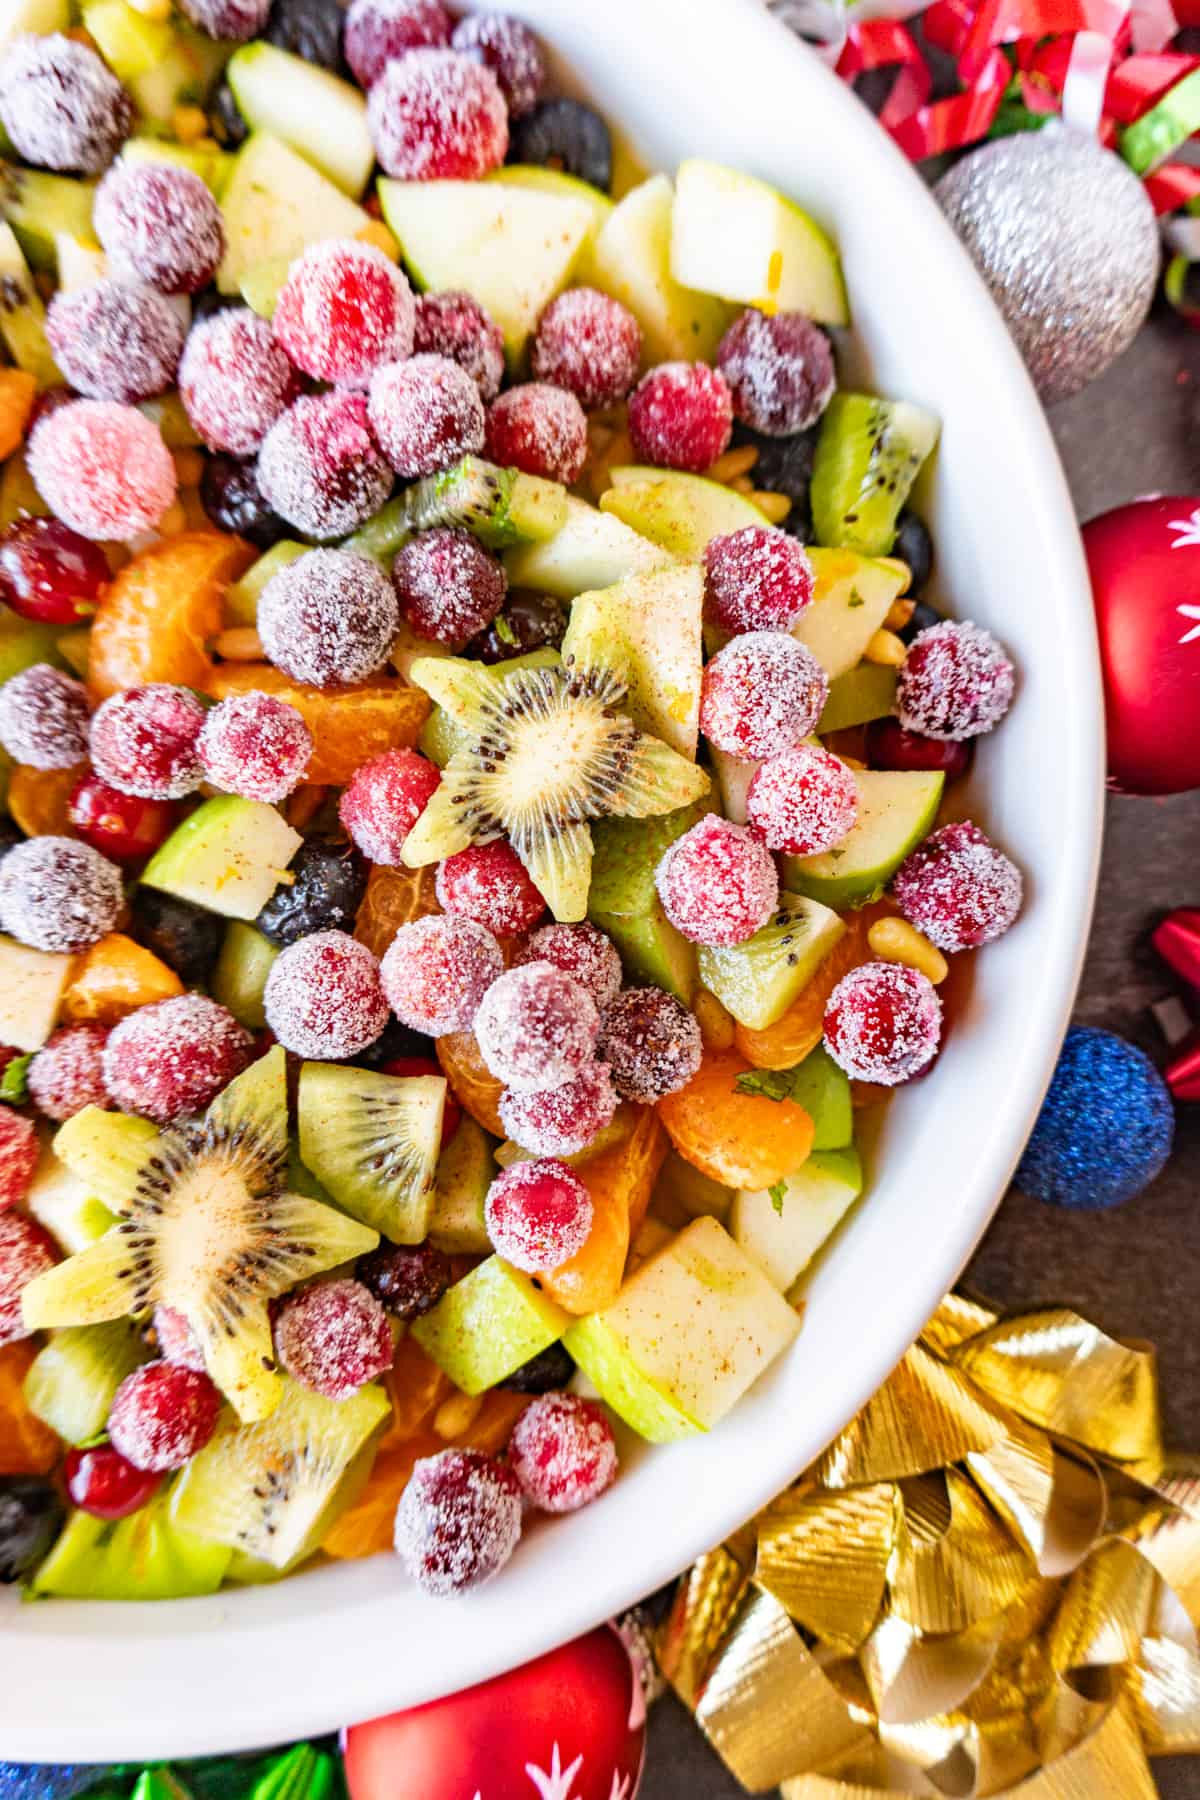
(480, 780)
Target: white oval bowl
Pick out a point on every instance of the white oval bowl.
(246, 1668)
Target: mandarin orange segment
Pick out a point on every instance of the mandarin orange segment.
(416, 1387)
(18, 391)
(393, 898)
(741, 1140)
(37, 799)
(349, 724)
(155, 621)
(620, 1181)
(27, 1447)
(475, 1087)
(789, 1040)
(114, 977)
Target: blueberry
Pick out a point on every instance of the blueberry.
(229, 127)
(329, 881)
(915, 547)
(186, 937)
(784, 464)
(528, 622)
(549, 1369)
(31, 1517)
(406, 1279)
(208, 301)
(311, 29)
(230, 495)
(564, 134)
(923, 617)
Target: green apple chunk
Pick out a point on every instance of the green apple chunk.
(240, 976)
(623, 901)
(591, 550)
(211, 164)
(24, 642)
(631, 260)
(318, 114)
(241, 600)
(858, 696)
(681, 512)
(685, 1337)
(682, 1192)
(32, 984)
(39, 205)
(653, 625)
(868, 455)
(62, 1201)
(23, 316)
(73, 1378)
(783, 1232)
(734, 775)
(896, 809)
(852, 595)
(229, 855)
(38, 17)
(513, 248)
(372, 1140)
(488, 1324)
(736, 236)
(556, 181)
(275, 204)
(758, 980)
(464, 1174)
(144, 1557)
(130, 42)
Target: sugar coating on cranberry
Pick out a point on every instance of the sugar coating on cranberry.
(44, 718)
(454, 325)
(883, 1022)
(437, 970)
(60, 105)
(564, 1120)
(957, 682)
(761, 694)
(378, 30)
(344, 309)
(537, 1028)
(427, 414)
(102, 468)
(333, 1337)
(144, 741)
(18, 1155)
(162, 1415)
(171, 1058)
(510, 51)
(67, 1073)
(234, 380)
(717, 883)
(114, 342)
(539, 429)
(958, 888)
(756, 579)
(447, 585)
(159, 224)
(26, 1251)
(590, 344)
(779, 369)
(319, 467)
(233, 21)
(681, 416)
(490, 884)
(802, 802)
(328, 617)
(538, 1215)
(324, 998)
(383, 801)
(562, 1451)
(458, 1521)
(582, 952)
(434, 115)
(57, 894)
(254, 745)
(177, 1342)
(651, 1043)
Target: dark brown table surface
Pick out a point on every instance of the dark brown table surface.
(1135, 1271)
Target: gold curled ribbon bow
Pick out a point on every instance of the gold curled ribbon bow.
(988, 1585)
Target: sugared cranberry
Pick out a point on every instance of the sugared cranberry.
(883, 1022)
(889, 746)
(526, 622)
(538, 1215)
(958, 888)
(563, 1452)
(803, 802)
(319, 467)
(681, 416)
(49, 573)
(761, 694)
(539, 429)
(447, 585)
(254, 745)
(102, 468)
(18, 1155)
(717, 883)
(171, 1058)
(454, 325)
(437, 970)
(378, 30)
(26, 1251)
(579, 951)
(328, 617)
(114, 342)
(232, 21)
(589, 344)
(562, 1120)
(177, 1342)
(162, 1415)
(384, 800)
(403, 1066)
(233, 500)
(234, 380)
(537, 1028)
(100, 1481)
(437, 116)
(67, 1073)
(957, 682)
(651, 1043)
(427, 414)
(159, 224)
(489, 883)
(756, 579)
(510, 51)
(324, 998)
(44, 718)
(344, 309)
(60, 105)
(458, 1521)
(144, 739)
(779, 369)
(333, 1337)
(57, 894)
(406, 1279)
(124, 826)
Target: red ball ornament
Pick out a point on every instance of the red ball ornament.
(569, 1726)
(1144, 560)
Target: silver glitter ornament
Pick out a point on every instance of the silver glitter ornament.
(1064, 235)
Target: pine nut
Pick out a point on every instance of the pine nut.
(303, 805)
(899, 614)
(885, 647)
(776, 506)
(738, 461)
(895, 940)
(189, 467)
(241, 643)
(376, 232)
(457, 1414)
(716, 1025)
(189, 122)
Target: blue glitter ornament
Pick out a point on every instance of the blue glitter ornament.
(1105, 1128)
(46, 1781)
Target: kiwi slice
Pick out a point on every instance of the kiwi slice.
(500, 506)
(267, 1489)
(545, 752)
(211, 1231)
(106, 1150)
(145, 1557)
(72, 1379)
(373, 1141)
(868, 456)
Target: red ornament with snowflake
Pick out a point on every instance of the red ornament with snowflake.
(569, 1726)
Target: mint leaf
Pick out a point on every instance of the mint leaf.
(14, 1083)
(777, 1190)
(771, 1084)
(504, 630)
